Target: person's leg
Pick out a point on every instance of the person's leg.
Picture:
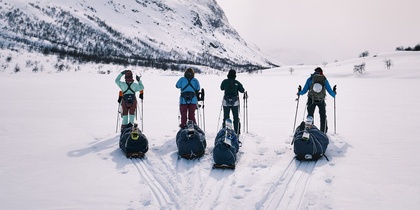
(132, 112)
(191, 112)
(323, 116)
(310, 106)
(183, 110)
(235, 112)
(226, 114)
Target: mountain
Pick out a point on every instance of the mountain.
(165, 34)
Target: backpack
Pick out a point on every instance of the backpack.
(226, 147)
(317, 89)
(191, 141)
(311, 148)
(133, 142)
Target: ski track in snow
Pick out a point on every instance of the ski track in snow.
(289, 190)
(213, 190)
(160, 194)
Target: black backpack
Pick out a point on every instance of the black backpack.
(317, 89)
(311, 148)
(191, 141)
(133, 142)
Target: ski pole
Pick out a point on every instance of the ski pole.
(218, 121)
(118, 118)
(204, 115)
(142, 118)
(246, 111)
(297, 106)
(335, 126)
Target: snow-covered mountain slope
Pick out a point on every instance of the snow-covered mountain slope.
(152, 33)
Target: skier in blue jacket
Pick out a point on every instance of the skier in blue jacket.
(188, 100)
(317, 85)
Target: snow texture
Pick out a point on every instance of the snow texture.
(59, 148)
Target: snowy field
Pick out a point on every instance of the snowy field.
(59, 145)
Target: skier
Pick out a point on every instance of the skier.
(317, 85)
(129, 89)
(189, 87)
(232, 87)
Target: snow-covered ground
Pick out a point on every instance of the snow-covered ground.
(59, 148)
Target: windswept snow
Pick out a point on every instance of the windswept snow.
(59, 148)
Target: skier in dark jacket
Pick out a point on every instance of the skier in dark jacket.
(232, 87)
(317, 85)
(188, 99)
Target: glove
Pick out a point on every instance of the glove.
(299, 89)
(141, 94)
(335, 89)
(123, 72)
(137, 78)
(119, 99)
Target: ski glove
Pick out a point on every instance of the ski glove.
(299, 89)
(123, 72)
(141, 94)
(137, 78)
(335, 89)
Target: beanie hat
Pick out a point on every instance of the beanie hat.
(319, 70)
(189, 73)
(129, 76)
(231, 74)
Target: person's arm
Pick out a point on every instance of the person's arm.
(240, 87)
(328, 87)
(306, 87)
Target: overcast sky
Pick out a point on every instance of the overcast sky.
(317, 31)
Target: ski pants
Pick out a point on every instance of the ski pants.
(128, 110)
(187, 110)
(235, 113)
(311, 105)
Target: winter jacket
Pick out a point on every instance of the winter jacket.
(124, 86)
(183, 85)
(309, 82)
(231, 87)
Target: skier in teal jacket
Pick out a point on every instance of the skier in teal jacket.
(129, 89)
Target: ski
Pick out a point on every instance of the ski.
(223, 166)
(134, 155)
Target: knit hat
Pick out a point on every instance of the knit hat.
(189, 73)
(231, 74)
(129, 76)
(319, 70)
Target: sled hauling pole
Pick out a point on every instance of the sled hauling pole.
(297, 106)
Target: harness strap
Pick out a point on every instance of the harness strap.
(129, 88)
(189, 84)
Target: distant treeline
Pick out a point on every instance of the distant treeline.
(401, 48)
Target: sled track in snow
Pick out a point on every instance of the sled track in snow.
(217, 189)
(158, 191)
(289, 190)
